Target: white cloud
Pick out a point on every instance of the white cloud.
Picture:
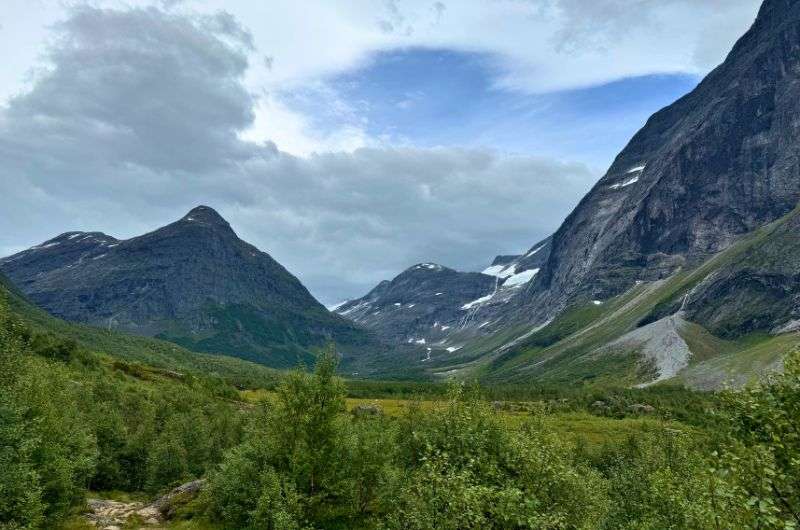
(537, 45)
(296, 133)
(541, 44)
(145, 113)
(142, 117)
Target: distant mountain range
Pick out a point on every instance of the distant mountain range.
(192, 282)
(681, 262)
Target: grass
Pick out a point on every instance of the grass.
(742, 360)
(597, 431)
(572, 348)
(576, 426)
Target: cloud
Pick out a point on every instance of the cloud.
(138, 87)
(366, 215)
(541, 45)
(143, 113)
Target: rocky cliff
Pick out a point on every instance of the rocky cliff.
(716, 164)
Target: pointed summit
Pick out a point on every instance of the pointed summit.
(194, 282)
(205, 214)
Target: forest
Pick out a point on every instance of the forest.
(314, 451)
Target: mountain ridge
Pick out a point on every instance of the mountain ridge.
(193, 282)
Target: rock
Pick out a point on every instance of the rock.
(164, 504)
(760, 291)
(718, 163)
(420, 306)
(431, 302)
(364, 409)
(108, 514)
(641, 408)
(599, 405)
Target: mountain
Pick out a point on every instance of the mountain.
(440, 308)
(153, 353)
(681, 263)
(193, 282)
(420, 305)
(728, 320)
(717, 164)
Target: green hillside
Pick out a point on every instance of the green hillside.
(137, 349)
(578, 345)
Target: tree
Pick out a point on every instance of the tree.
(764, 454)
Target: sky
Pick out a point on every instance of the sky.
(350, 139)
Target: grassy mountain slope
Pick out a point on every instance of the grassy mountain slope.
(579, 344)
(137, 349)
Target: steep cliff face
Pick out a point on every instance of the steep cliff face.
(193, 281)
(716, 164)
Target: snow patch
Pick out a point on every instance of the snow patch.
(100, 256)
(624, 184)
(597, 302)
(333, 307)
(637, 169)
(73, 236)
(355, 308)
(479, 301)
(438, 294)
(451, 349)
(501, 271)
(534, 251)
(48, 245)
(521, 278)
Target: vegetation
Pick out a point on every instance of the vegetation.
(71, 421)
(300, 454)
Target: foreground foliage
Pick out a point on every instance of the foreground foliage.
(72, 421)
(69, 422)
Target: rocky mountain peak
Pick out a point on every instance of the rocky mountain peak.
(194, 282)
(716, 164)
(205, 215)
(425, 268)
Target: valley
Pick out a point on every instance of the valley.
(638, 368)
